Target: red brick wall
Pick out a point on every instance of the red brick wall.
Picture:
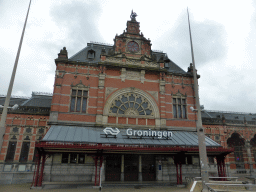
(34, 122)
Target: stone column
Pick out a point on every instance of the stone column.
(140, 168)
(122, 168)
(249, 155)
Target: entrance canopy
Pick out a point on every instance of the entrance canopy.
(110, 139)
(97, 135)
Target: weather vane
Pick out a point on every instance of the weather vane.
(133, 16)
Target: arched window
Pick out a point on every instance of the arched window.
(25, 149)
(238, 143)
(11, 148)
(131, 104)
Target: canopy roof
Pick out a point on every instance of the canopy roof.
(96, 135)
(95, 140)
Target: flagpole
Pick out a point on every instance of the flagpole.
(9, 92)
(199, 125)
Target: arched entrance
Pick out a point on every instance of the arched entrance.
(253, 145)
(238, 143)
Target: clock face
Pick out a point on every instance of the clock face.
(133, 46)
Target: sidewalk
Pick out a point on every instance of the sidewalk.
(80, 188)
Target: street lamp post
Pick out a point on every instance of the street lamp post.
(199, 125)
(9, 92)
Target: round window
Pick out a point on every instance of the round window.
(133, 46)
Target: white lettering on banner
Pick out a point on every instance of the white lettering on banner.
(149, 133)
(139, 133)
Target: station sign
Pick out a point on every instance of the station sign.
(139, 133)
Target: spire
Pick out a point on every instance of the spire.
(133, 26)
(133, 16)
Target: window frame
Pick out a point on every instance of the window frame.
(75, 97)
(76, 156)
(178, 107)
(23, 153)
(131, 102)
(9, 152)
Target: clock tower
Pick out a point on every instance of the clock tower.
(132, 43)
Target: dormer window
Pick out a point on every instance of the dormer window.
(91, 54)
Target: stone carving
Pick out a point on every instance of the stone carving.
(154, 94)
(101, 80)
(109, 90)
(131, 104)
(179, 94)
(142, 76)
(123, 74)
(119, 60)
(79, 85)
(133, 75)
(162, 87)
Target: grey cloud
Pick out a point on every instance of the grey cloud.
(209, 41)
(79, 19)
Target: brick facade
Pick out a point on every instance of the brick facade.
(91, 89)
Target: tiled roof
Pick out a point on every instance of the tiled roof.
(81, 56)
(229, 115)
(38, 101)
(13, 100)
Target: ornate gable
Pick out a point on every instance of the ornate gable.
(131, 48)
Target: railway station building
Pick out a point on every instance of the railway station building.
(120, 113)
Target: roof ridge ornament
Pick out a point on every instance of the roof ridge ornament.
(133, 16)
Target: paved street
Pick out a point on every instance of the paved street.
(26, 187)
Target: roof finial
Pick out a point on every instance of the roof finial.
(133, 16)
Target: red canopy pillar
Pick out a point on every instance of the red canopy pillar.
(177, 173)
(178, 160)
(221, 167)
(42, 171)
(38, 155)
(180, 173)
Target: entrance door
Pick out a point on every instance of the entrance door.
(148, 168)
(131, 163)
(113, 167)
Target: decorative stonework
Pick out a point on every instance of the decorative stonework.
(133, 75)
(142, 76)
(150, 108)
(101, 80)
(131, 104)
(128, 40)
(109, 90)
(154, 94)
(134, 62)
(179, 94)
(162, 87)
(59, 73)
(79, 85)
(123, 74)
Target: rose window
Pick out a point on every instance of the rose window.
(131, 104)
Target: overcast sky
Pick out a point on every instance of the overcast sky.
(223, 33)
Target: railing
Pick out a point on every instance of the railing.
(242, 113)
(230, 187)
(218, 178)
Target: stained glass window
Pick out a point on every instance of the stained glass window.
(131, 104)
